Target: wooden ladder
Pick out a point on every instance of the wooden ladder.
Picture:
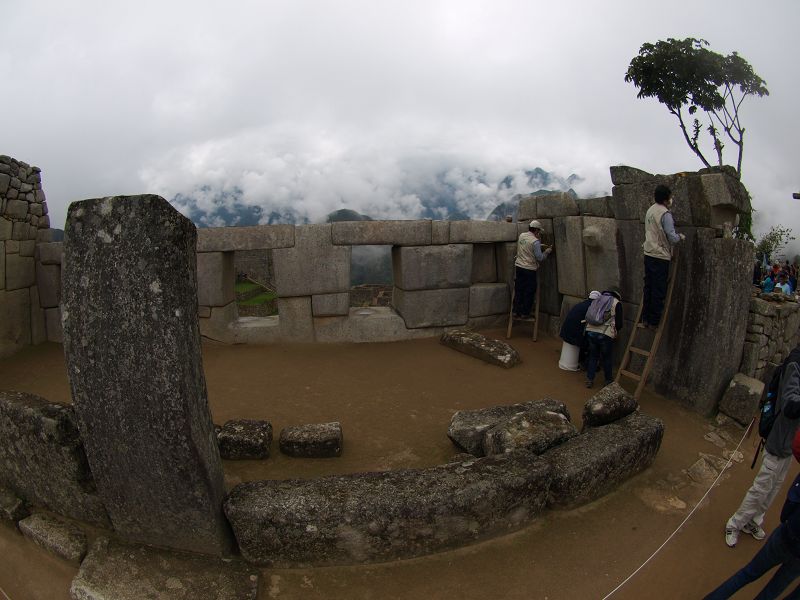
(648, 353)
(535, 318)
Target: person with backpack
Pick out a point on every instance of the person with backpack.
(782, 548)
(526, 265)
(659, 237)
(779, 420)
(603, 322)
(573, 328)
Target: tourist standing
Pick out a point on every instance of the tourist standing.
(526, 265)
(601, 331)
(659, 238)
(573, 329)
(777, 455)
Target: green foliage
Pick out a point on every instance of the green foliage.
(259, 299)
(242, 287)
(774, 241)
(744, 230)
(684, 74)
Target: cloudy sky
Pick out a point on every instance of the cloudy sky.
(320, 105)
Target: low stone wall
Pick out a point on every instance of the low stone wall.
(773, 330)
(373, 517)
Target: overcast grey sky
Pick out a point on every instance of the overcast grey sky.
(323, 105)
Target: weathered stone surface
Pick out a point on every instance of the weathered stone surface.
(216, 278)
(505, 262)
(27, 247)
(527, 207)
(6, 227)
(610, 404)
(42, 459)
(16, 209)
(20, 271)
(595, 207)
(373, 324)
(259, 237)
(48, 280)
(38, 330)
(621, 174)
(313, 266)
(531, 431)
(631, 201)
(630, 238)
(116, 571)
(569, 255)
(55, 535)
(741, 399)
(484, 263)
(432, 267)
(398, 233)
(52, 324)
(329, 305)
(557, 204)
(482, 231)
(12, 508)
(3, 265)
(440, 232)
(219, 324)
(700, 320)
(295, 319)
(133, 356)
(488, 299)
(50, 253)
(242, 439)
(316, 440)
(15, 320)
(467, 427)
(600, 253)
(372, 517)
(432, 308)
(596, 461)
(478, 345)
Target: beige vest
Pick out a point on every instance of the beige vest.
(525, 257)
(656, 243)
(608, 328)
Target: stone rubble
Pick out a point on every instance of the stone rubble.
(492, 351)
(55, 535)
(243, 439)
(316, 440)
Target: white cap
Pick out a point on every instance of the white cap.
(534, 224)
(594, 295)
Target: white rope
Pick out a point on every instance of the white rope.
(689, 516)
(6, 596)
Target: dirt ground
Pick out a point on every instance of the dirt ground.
(395, 401)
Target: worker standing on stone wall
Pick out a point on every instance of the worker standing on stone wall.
(659, 237)
(529, 255)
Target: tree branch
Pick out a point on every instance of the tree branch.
(694, 147)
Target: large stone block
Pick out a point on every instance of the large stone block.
(505, 253)
(50, 253)
(48, 280)
(482, 231)
(6, 227)
(432, 308)
(486, 349)
(484, 263)
(259, 237)
(527, 207)
(488, 299)
(2, 265)
(42, 458)
(600, 253)
(591, 464)
(216, 278)
(55, 535)
(700, 319)
(741, 399)
(314, 265)
(15, 321)
(38, 329)
(20, 271)
(219, 323)
(621, 174)
(374, 324)
(549, 296)
(315, 440)
(330, 305)
(375, 517)
(132, 345)
(533, 432)
(631, 201)
(16, 209)
(557, 204)
(112, 570)
(440, 232)
(569, 256)
(52, 323)
(432, 267)
(610, 404)
(295, 318)
(397, 233)
(595, 207)
(630, 256)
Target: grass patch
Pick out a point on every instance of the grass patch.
(259, 299)
(242, 287)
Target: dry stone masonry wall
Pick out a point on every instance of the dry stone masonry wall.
(773, 330)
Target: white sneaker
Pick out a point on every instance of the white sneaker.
(731, 536)
(755, 531)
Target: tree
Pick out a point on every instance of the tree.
(773, 241)
(686, 74)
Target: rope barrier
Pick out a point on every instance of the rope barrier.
(6, 596)
(689, 516)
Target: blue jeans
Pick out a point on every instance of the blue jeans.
(776, 551)
(600, 346)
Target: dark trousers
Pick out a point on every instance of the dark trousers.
(601, 347)
(656, 276)
(775, 551)
(524, 291)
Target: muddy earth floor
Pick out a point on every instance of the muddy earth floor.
(395, 401)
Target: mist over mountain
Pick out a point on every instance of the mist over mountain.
(451, 194)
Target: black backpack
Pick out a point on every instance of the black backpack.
(768, 412)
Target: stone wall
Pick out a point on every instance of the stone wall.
(23, 224)
(773, 330)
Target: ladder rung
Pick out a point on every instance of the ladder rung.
(640, 351)
(633, 376)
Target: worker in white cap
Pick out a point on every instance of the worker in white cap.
(530, 254)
